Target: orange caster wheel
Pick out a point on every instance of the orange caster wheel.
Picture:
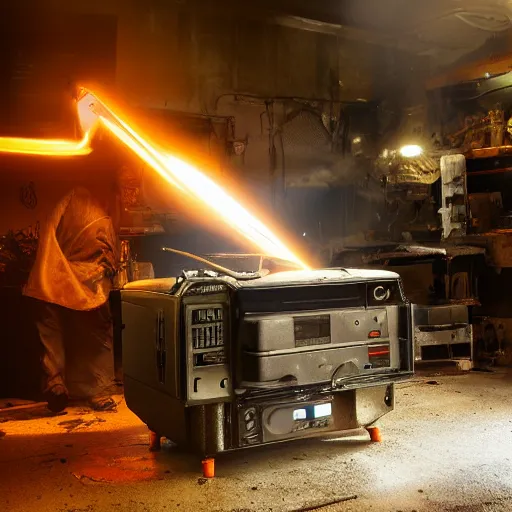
(209, 468)
(375, 435)
(154, 442)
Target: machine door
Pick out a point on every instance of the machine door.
(150, 334)
(206, 338)
(347, 336)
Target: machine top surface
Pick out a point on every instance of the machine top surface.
(322, 276)
(152, 285)
(279, 279)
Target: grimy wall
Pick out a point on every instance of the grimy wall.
(191, 56)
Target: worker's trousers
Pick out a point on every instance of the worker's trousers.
(77, 349)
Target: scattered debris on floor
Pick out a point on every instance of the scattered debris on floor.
(80, 478)
(27, 412)
(14, 402)
(324, 504)
(105, 468)
(80, 423)
(24, 410)
(47, 460)
(104, 405)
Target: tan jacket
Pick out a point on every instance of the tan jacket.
(77, 254)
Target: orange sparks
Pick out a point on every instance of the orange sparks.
(187, 178)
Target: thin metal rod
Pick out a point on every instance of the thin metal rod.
(325, 504)
(231, 273)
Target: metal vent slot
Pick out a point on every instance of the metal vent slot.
(161, 355)
(207, 328)
(206, 316)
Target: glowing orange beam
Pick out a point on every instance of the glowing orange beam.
(187, 178)
(232, 212)
(43, 147)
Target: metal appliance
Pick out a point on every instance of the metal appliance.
(219, 362)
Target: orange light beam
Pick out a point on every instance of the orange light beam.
(187, 178)
(153, 160)
(195, 183)
(45, 147)
(232, 212)
(120, 128)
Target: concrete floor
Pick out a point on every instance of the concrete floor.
(446, 447)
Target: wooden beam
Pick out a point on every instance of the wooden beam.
(323, 17)
(378, 38)
(489, 152)
(472, 71)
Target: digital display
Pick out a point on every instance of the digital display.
(312, 412)
(299, 414)
(322, 410)
(312, 330)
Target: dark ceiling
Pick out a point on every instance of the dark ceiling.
(445, 30)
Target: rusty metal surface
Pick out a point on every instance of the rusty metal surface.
(447, 337)
(471, 71)
(454, 212)
(403, 251)
(497, 244)
(465, 302)
(399, 170)
(442, 337)
(437, 317)
(500, 248)
(489, 152)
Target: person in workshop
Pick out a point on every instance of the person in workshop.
(70, 284)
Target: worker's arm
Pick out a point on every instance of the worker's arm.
(96, 251)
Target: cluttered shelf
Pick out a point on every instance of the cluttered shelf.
(490, 152)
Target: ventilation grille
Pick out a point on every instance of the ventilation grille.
(207, 328)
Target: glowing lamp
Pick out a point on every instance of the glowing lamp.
(411, 151)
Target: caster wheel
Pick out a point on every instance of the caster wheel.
(375, 435)
(209, 468)
(155, 444)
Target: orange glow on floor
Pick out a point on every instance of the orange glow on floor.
(186, 177)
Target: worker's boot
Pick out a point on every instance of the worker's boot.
(102, 403)
(57, 398)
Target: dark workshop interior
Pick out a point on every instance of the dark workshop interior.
(254, 256)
